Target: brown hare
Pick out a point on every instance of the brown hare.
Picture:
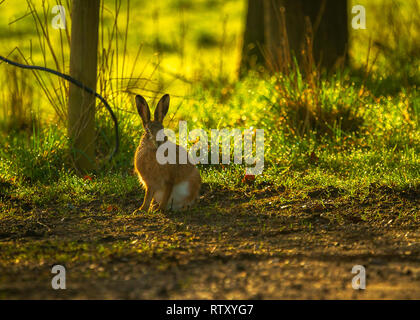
(169, 186)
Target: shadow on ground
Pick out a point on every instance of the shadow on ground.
(255, 244)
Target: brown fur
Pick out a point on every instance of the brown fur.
(154, 176)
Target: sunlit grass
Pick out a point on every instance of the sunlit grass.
(362, 136)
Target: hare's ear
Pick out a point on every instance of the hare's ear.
(162, 108)
(143, 109)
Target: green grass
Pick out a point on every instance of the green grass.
(383, 149)
(361, 130)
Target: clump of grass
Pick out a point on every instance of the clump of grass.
(17, 103)
(55, 89)
(39, 157)
(325, 107)
(304, 101)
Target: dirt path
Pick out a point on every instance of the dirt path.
(267, 244)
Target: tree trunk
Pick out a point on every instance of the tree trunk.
(83, 67)
(254, 35)
(285, 32)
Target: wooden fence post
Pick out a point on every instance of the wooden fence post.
(83, 67)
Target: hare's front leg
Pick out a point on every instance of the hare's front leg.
(147, 200)
(167, 193)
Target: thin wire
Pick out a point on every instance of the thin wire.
(80, 85)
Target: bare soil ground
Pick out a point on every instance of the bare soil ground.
(264, 244)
